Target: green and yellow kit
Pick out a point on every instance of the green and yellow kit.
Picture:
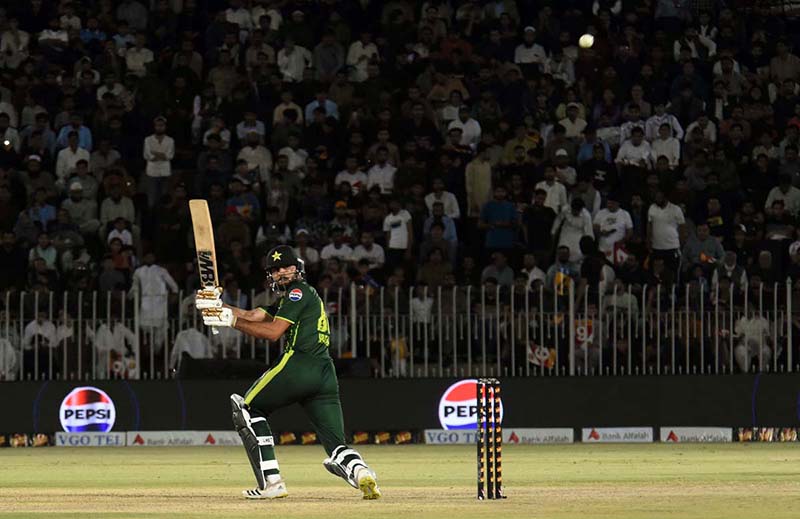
(304, 373)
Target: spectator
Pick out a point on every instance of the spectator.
(561, 274)
(293, 60)
(613, 227)
(555, 192)
(433, 271)
(435, 239)
(499, 220)
(337, 248)
(69, 157)
(664, 220)
(498, 270)
(701, 249)
(570, 226)
(786, 193)
(153, 283)
(446, 198)
(159, 150)
(368, 250)
(75, 125)
(382, 173)
(399, 233)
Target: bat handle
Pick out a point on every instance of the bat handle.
(214, 330)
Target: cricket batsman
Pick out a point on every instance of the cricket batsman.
(304, 374)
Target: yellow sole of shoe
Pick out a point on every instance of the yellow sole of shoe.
(369, 487)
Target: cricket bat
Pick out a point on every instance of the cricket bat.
(204, 245)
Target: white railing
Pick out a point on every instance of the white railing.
(445, 332)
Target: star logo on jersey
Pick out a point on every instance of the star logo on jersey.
(276, 256)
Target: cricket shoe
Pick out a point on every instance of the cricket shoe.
(368, 483)
(339, 471)
(275, 490)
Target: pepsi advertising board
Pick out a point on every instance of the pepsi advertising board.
(87, 409)
(458, 406)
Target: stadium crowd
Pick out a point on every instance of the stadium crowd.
(401, 143)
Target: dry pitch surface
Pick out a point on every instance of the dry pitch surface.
(575, 481)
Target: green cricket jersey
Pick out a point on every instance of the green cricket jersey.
(303, 308)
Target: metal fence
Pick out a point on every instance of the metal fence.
(417, 332)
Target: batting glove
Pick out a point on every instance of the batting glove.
(208, 297)
(219, 317)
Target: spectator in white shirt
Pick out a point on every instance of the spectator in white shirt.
(120, 232)
(664, 220)
(13, 45)
(667, 146)
(69, 157)
(612, 225)
(353, 175)
(370, 251)
(399, 234)
(448, 199)
(359, 55)
(661, 117)
(705, 124)
(382, 173)
(294, 153)
(139, 57)
(565, 173)
(572, 224)
(573, 124)
(238, 15)
(293, 60)
(258, 156)
(556, 192)
(634, 120)
(636, 151)
(337, 248)
(159, 149)
(470, 128)
(529, 53)
(787, 193)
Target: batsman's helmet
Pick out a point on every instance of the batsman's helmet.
(280, 257)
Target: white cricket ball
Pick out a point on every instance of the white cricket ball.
(586, 41)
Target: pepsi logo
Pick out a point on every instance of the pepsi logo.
(87, 409)
(295, 294)
(458, 407)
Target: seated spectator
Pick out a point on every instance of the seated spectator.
(337, 248)
(435, 240)
(702, 249)
(121, 232)
(353, 175)
(368, 250)
(110, 278)
(561, 273)
(446, 198)
(499, 270)
(785, 192)
(243, 201)
(433, 271)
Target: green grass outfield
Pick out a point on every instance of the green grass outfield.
(574, 481)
